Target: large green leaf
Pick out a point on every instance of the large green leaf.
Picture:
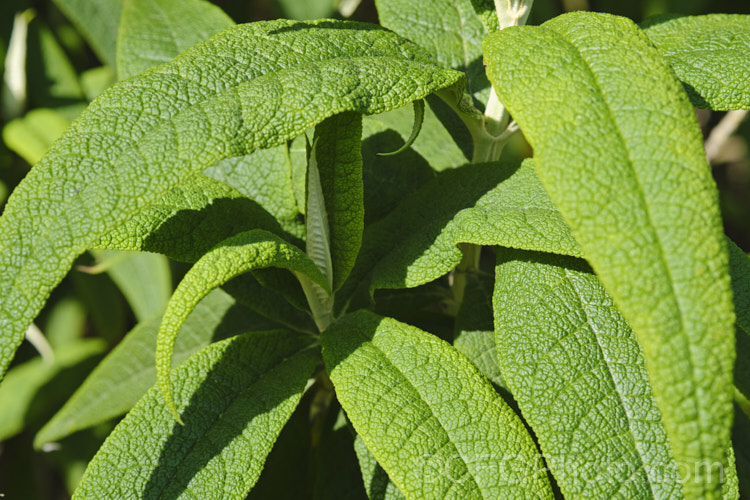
(153, 32)
(250, 87)
(338, 153)
(449, 29)
(489, 204)
(235, 397)
(618, 149)
(710, 54)
(577, 373)
(429, 417)
(129, 370)
(244, 252)
(97, 20)
(190, 220)
(377, 483)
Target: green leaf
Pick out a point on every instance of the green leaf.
(51, 78)
(488, 204)
(190, 220)
(339, 160)
(23, 387)
(153, 32)
(97, 21)
(641, 203)
(739, 268)
(710, 55)
(577, 373)
(449, 29)
(129, 370)
(239, 254)
(143, 278)
(235, 397)
(416, 128)
(266, 178)
(377, 483)
(31, 135)
(247, 88)
(475, 331)
(429, 417)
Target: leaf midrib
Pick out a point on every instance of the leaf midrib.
(656, 234)
(220, 415)
(428, 405)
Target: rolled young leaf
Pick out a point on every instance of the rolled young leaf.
(426, 413)
(250, 87)
(618, 149)
(236, 396)
(239, 254)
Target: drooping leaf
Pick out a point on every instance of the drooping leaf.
(97, 21)
(338, 151)
(129, 370)
(143, 278)
(449, 29)
(153, 32)
(248, 88)
(577, 373)
(239, 254)
(235, 397)
(489, 204)
(429, 417)
(710, 54)
(619, 151)
(23, 386)
(377, 483)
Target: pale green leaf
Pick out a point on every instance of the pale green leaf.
(21, 387)
(97, 20)
(710, 55)
(428, 416)
(143, 278)
(618, 148)
(249, 87)
(449, 29)
(189, 220)
(416, 128)
(377, 483)
(94, 81)
(266, 178)
(489, 204)
(31, 135)
(153, 32)
(578, 375)
(235, 397)
(239, 254)
(338, 153)
(129, 370)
